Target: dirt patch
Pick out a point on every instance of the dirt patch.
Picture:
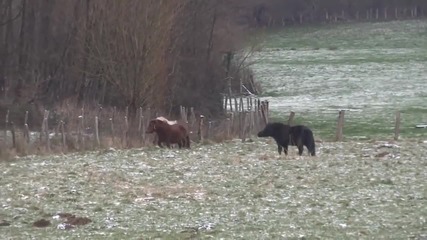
(4, 223)
(71, 220)
(78, 221)
(41, 223)
(264, 157)
(382, 154)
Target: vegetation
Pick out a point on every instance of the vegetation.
(158, 54)
(116, 53)
(285, 12)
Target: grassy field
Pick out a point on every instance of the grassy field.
(369, 69)
(232, 191)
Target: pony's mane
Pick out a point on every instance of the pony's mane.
(163, 119)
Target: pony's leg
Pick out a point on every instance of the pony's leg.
(279, 149)
(159, 143)
(300, 149)
(168, 144)
(187, 141)
(181, 143)
(285, 149)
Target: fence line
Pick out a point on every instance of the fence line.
(87, 129)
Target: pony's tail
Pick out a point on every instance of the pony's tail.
(311, 144)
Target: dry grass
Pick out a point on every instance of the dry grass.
(79, 130)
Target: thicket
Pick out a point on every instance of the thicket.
(137, 53)
(128, 53)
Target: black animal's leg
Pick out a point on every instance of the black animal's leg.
(180, 144)
(168, 144)
(279, 149)
(300, 149)
(159, 144)
(285, 149)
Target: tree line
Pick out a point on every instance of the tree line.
(275, 12)
(127, 53)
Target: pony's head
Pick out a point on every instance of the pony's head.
(153, 125)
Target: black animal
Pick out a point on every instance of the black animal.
(285, 135)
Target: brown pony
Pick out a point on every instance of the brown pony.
(169, 132)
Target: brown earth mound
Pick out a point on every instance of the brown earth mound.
(41, 223)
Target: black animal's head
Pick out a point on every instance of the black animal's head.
(268, 131)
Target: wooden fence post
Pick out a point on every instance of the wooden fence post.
(397, 126)
(181, 113)
(240, 124)
(231, 124)
(192, 116)
(228, 127)
(80, 127)
(26, 128)
(209, 130)
(63, 135)
(98, 142)
(248, 105)
(112, 129)
(291, 118)
(6, 125)
(140, 124)
(83, 120)
(267, 110)
(251, 123)
(200, 130)
(125, 136)
(12, 130)
(47, 129)
(244, 125)
(144, 128)
(264, 112)
(340, 126)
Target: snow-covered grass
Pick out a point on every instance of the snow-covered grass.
(231, 190)
(369, 69)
